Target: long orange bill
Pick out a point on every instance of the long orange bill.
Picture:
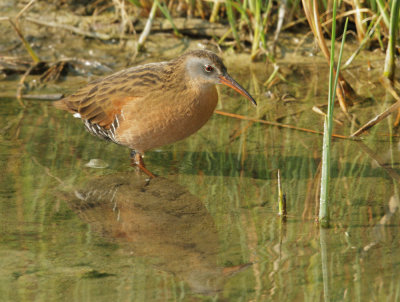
(228, 81)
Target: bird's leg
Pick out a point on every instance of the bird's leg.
(137, 161)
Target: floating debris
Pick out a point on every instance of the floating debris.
(96, 164)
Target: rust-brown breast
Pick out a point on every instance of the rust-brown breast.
(166, 117)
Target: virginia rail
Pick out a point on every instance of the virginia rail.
(152, 105)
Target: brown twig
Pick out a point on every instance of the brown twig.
(53, 72)
(318, 110)
(242, 117)
(24, 9)
(76, 30)
(21, 84)
(396, 106)
(397, 121)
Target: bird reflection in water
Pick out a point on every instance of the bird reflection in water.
(157, 220)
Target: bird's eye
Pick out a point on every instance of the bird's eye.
(208, 68)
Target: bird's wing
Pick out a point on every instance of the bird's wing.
(102, 100)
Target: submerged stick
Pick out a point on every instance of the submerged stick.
(323, 236)
(378, 159)
(21, 84)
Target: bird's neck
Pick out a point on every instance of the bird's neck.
(179, 80)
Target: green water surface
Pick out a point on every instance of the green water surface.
(207, 229)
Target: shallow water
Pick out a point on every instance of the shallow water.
(207, 229)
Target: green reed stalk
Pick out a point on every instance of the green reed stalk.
(135, 2)
(381, 6)
(163, 8)
(257, 30)
(388, 71)
(215, 10)
(264, 23)
(328, 123)
(28, 48)
(243, 13)
(367, 38)
(232, 22)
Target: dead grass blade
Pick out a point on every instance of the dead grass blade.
(16, 27)
(313, 18)
(395, 107)
(242, 117)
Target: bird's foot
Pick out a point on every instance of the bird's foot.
(137, 161)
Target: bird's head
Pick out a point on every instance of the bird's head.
(205, 67)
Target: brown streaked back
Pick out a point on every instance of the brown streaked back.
(100, 101)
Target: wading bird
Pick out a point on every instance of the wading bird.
(152, 105)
